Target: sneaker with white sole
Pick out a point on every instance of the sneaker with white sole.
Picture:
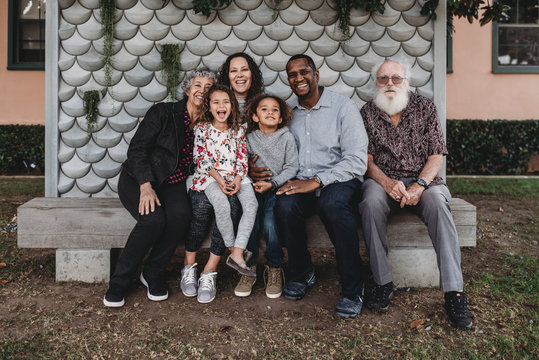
(207, 288)
(274, 282)
(114, 297)
(245, 285)
(189, 281)
(157, 289)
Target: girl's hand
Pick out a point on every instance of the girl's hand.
(223, 185)
(220, 181)
(262, 186)
(148, 199)
(234, 186)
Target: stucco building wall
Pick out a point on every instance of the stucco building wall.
(22, 99)
(474, 92)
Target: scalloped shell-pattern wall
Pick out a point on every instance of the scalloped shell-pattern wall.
(90, 165)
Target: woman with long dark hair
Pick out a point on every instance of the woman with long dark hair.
(240, 73)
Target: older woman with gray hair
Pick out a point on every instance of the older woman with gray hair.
(152, 187)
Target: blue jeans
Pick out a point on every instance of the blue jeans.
(265, 222)
(335, 208)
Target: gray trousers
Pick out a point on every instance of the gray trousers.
(433, 209)
(223, 218)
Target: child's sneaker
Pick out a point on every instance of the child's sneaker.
(189, 281)
(245, 285)
(207, 288)
(274, 282)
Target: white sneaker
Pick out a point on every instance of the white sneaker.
(189, 283)
(207, 287)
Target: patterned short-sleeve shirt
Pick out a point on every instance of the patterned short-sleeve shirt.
(402, 151)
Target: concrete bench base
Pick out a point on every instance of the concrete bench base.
(86, 265)
(85, 230)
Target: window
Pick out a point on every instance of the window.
(516, 39)
(449, 52)
(26, 37)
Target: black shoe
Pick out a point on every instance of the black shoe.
(350, 307)
(295, 290)
(380, 297)
(157, 289)
(457, 310)
(114, 297)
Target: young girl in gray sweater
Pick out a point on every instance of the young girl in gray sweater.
(272, 146)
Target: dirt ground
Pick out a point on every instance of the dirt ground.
(40, 318)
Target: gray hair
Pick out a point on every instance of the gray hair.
(376, 67)
(201, 72)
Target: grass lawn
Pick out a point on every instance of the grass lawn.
(42, 319)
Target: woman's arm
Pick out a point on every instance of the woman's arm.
(138, 153)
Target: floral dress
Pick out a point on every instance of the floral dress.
(224, 151)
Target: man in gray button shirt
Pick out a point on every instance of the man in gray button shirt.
(332, 145)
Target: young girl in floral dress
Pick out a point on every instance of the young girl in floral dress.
(220, 155)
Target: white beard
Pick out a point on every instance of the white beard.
(391, 103)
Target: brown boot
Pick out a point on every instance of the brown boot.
(245, 285)
(274, 282)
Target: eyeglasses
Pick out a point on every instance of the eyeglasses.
(383, 80)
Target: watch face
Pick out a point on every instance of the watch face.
(422, 182)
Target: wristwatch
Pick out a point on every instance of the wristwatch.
(423, 183)
(318, 180)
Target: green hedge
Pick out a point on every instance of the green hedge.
(493, 147)
(497, 147)
(19, 143)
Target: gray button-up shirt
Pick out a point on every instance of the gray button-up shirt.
(331, 139)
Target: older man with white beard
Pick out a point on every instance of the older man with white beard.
(406, 149)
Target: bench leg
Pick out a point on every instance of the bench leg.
(86, 265)
(414, 266)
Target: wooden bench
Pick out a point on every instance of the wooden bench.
(85, 230)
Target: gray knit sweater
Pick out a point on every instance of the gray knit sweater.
(277, 151)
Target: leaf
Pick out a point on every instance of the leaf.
(2, 265)
(416, 323)
(225, 328)
(3, 282)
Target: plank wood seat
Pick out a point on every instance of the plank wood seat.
(84, 230)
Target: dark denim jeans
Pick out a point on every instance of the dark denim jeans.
(335, 208)
(265, 223)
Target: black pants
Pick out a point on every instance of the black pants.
(202, 220)
(160, 230)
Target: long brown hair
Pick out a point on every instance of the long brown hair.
(250, 110)
(257, 82)
(233, 120)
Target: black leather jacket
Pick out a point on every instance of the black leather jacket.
(154, 151)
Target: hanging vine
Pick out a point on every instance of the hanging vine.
(344, 8)
(170, 67)
(91, 101)
(458, 8)
(107, 10)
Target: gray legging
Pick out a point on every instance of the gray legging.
(223, 218)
